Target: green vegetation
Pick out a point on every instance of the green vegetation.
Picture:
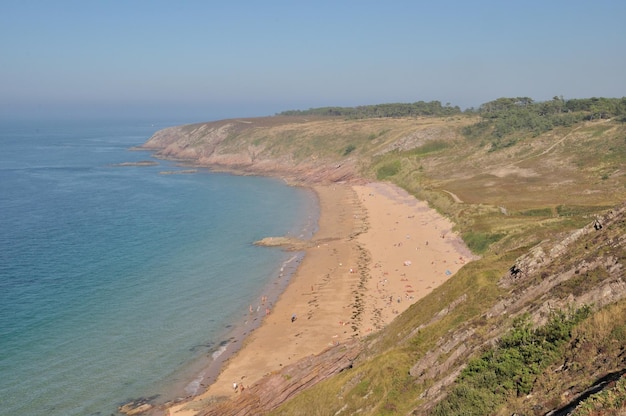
(429, 147)
(535, 210)
(574, 210)
(592, 359)
(479, 242)
(510, 368)
(581, 282)
(509, 165)
(385, 368)
(349, 149)
(608, 402)
(420, 108)
(539, 212)
(507, 120)
(517, 178)
(387, 170)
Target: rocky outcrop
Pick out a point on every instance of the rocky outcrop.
(554, 275)
(212, 145)
(278, 387)
(551, 275)
(189, 142)
(580, 267)
(137, 407)
(139, 163)
(419, 138)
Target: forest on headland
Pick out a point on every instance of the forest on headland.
(537, 325)
(500, 117)
(585, 108)
(575, 360)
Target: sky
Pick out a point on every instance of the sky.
(205, 60)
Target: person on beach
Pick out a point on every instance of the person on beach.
(293, 318)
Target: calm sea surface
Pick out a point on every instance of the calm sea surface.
(115, 282)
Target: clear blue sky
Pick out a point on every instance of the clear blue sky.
(216, 59)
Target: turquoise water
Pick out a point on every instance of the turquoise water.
(121, 282)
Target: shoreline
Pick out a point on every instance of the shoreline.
(377, 250)
(208, 368)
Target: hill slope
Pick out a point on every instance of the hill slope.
(546, 213)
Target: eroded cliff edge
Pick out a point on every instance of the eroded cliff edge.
(534, 202)
(243, 146)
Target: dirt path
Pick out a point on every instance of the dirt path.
(454, 196)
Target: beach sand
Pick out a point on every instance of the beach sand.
(375, 241)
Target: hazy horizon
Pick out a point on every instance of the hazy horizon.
(201, 61)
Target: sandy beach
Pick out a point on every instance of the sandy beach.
(377, 251)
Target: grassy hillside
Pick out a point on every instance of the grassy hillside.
(537, 189)
(506, 202)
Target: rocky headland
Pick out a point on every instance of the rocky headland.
(546, 217)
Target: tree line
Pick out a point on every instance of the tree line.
(420, 108)
(501, 108)
(506, 120)
(592, 108)
(503, 121)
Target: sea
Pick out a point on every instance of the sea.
(122, 280)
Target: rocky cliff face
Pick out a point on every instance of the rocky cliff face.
(280, 386)
(567, 269)
(211, 145)
(578, 268)
(555, 274)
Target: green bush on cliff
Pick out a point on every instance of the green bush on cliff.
(511, 367)
(505, 121)
(388, 169)
(349, 149)
(479, 242)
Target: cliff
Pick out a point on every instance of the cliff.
(238, 146)
(544, 210)
(556, 275)
(310, 150)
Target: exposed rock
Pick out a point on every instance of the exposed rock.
(278, 387)
(426, 367)
(206, 144)
(136, 407)
(287, 243)
(139, 163)
(179, 172)
(439, 315)
(291, 244)
(418, 138)
(537, 283)
(534, 291)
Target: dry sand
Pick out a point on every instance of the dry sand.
(375, 241)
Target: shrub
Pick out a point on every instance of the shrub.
(480, 242)
(511, 367)
(349, 149)
(388, 169)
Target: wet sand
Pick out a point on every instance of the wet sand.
(377, 251)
